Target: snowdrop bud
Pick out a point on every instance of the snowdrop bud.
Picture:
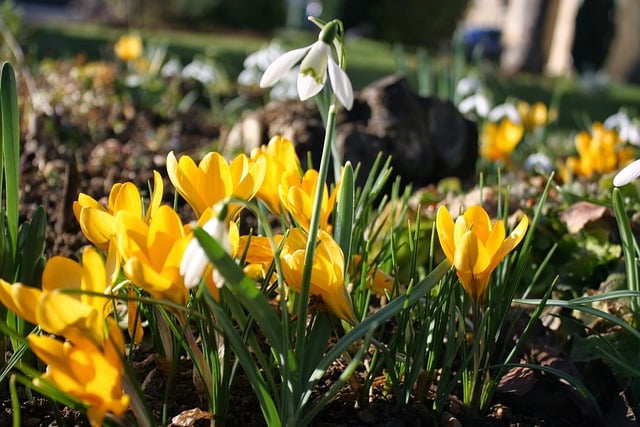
(195, 260)
(627, 174)
(329, 32)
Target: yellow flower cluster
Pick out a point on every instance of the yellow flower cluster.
(73, 303)
(533, 115)
(599, 152)
(149, 247)
(498, 140)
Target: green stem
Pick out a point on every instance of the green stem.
(313, 235)
(474, 404)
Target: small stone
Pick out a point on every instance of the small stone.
(448, 420)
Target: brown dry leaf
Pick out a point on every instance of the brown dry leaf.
(189, 417)
(580, 214)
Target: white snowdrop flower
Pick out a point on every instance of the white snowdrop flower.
(627, 174)
(501, 111)
(249, 77)
(172, 68)
(538, 162)
(477, 103)
(286, 88)
(201, 71)
(315, 61)
(255, 65)
(195, 261)
(628, 131)
(467, 86)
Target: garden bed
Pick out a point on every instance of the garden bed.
(88, 133)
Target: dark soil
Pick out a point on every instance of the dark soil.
(62, 157)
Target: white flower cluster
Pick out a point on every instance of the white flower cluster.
(201, 70)
(472, 100)
(255, 65)
(629, 131)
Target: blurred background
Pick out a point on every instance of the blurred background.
(555, 37)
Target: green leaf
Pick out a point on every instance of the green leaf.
(628, 242)
(243, 288)
(267, 405)
(10, 149)
(385, 313)
(33, 237)
(345, 212)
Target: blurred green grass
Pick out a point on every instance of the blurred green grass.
(368, 60)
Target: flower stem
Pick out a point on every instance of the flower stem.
(303, 303)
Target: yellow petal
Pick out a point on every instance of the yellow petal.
(65, 315)
(217, 179)
(471, 262)
(20, 299)
(444, 226)
(478, 221)
(156, 196)
(146, 277)
(94, 277)
(511, 241)
(60, 272)
(495, 238)
(165, 228)
(83, 201)
(125, 197)
(98, 226)
(184, 176)
(247, 186)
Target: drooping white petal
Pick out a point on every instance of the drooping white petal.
(315, 62)
(193, 264)
(468, 86)
(477, 103)
(194, 261)
(340, 84)
(280, 66)
(308, 86)
(616, 121)
(504, 110)
(313, 70)
(632, 135)
(627, 174)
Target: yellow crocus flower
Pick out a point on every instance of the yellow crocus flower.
(327, 276)
(98, 223)
(533, 115)
(498, 140)
(214, 179)
(475, 245)
(128, 47)
(61, 313)
(282, 168)
(89, 372)
(599, 152)
(152, 253)
(298, 200)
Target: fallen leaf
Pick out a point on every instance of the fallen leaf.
(580, 214)
(189, 417)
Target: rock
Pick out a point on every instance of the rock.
(427, 138)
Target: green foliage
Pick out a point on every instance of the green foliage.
(417, 22)
(12, 18)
